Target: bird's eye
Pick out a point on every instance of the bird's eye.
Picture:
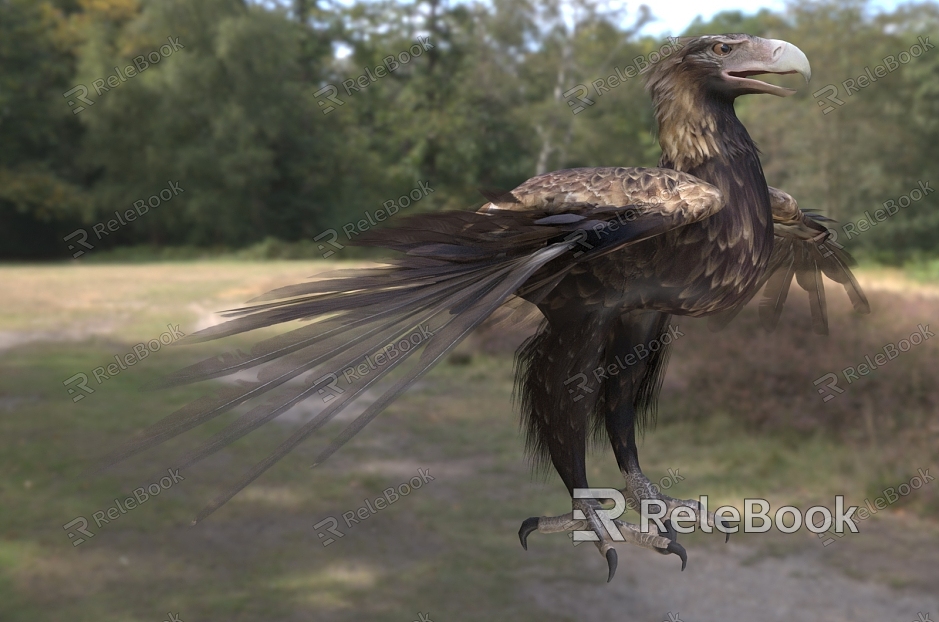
(722, 49)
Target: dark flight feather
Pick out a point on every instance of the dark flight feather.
(776, 292)
(448, 337)
(809, 278)
(801, 250)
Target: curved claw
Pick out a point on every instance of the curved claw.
(611, 561)
(528, 525)
(722, 526)
(719, 522)
(669, 533)
(679, 550)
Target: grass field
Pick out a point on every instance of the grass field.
(740, 417)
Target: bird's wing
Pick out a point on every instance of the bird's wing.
(605, 208)
(457, 269)
(803, 250)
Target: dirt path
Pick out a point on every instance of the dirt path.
(721, 586)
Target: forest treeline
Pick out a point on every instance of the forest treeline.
(223, 123)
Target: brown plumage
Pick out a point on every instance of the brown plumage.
(607, 255)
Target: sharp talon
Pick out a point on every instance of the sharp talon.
(721, 525)
(670, 531)
(528, 525)
(611, 561)
(679, 550)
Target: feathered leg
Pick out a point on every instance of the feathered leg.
(557, 425)
(638, 349)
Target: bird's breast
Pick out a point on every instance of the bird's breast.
(695, 270)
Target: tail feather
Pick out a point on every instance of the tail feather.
(497, 289)
(307, 307)
(260, 415)
(278, 405)
(344, 280)
(337, 356)
(306, 336)
(209, 407)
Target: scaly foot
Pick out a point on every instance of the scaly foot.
(624, 532)
(638, 487)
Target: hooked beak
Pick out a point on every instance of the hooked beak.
(766, 56)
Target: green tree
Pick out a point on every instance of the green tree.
(41, 194)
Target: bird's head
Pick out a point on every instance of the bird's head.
(694, 88)
(725, 66)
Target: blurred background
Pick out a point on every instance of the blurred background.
(163, 160)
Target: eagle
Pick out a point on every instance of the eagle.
(608, 256)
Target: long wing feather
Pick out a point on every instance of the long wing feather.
(775, 294)
(836, 264)
(264, 413)
(809, 278)
(306, 336)
(801, 248)
(286, 369)
(448, 337)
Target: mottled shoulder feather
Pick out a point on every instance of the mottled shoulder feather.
(583, 190)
